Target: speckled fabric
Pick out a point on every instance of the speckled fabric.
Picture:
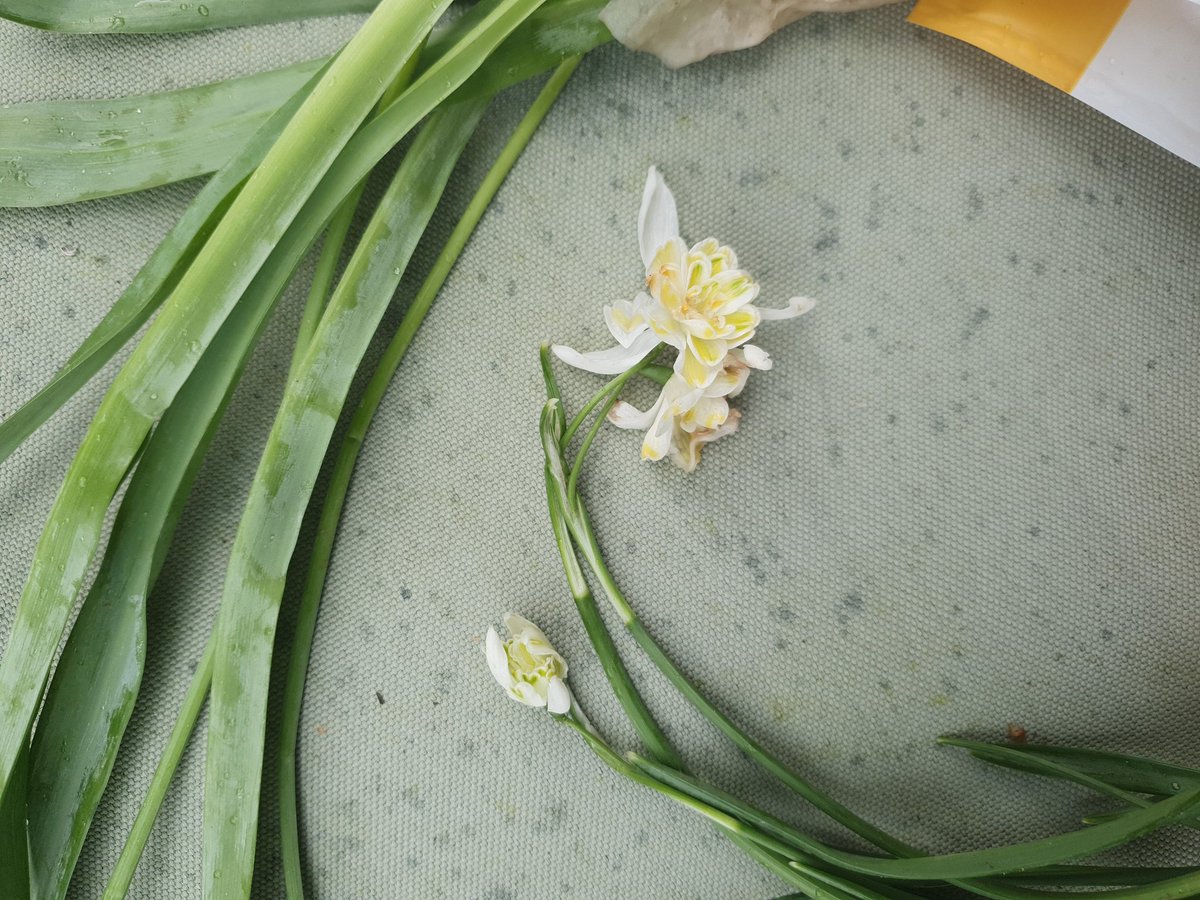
(968, 494)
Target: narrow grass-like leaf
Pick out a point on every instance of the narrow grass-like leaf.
(153, 16)
(153, 282)
(95, 684)
(282, 487)
(1119, 770)
(63, 151)
(1012, 757)
(206, 293)
(343, 469)
(558, 30)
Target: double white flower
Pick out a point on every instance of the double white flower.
(527, 666)
(698, 301)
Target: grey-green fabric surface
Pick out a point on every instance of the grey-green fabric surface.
(967, 495)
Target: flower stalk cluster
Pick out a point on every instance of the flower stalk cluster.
(693, 391)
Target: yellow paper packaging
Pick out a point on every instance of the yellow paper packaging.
(1136, 61)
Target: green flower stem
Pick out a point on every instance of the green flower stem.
(609, 390)
(589, 547)
(776, 855)
(185, 722)
(950, 867)
(622, 766)
(343, 470)
(609, 397)
(618, 676)
(610, 659)
(627, 694)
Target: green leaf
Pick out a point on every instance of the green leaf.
(949, 867)
(95, 684)
(257, 219)
(1011, 756)
(14, 841)
(64, 151)
(152, 16)
(282, 487)
(558, 30)
(347, 456)
(1120, 770)
(153, 282)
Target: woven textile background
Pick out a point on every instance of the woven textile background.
(967, 495)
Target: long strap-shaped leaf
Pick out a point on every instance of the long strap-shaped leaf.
(159, 365)
(96, 682)
(559, 29)
(282, 487)
(347, 457)
(64, 151)
(103, 16)
(1118, 770)
(153, 282)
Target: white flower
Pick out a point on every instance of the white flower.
(684, 419)
(683, 31)
(697, 300)
(527, 667)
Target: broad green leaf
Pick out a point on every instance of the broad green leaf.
(95, 684)
(153, 282)
(347, 456)
(14, 841)
(281, 490)
(206, 293)
(558, 30)
(63, 151)
(108, 16)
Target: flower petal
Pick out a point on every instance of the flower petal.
(626, 415)
(756, 357)
(626, 319)
(658, 220)
(558, 697)
(692, 371)
(524, 692)
(497, 659)
(795, 307)
(612, 361)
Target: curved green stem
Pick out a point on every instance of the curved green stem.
(609, 390)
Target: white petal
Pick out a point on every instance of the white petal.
(658, 220)
(558, 697)
(524, 692)
(756, 357)
(612, 361)
(626, 415)
(796, 306)
(521, 629)
(658, 439)
(625, 319)
(497, 659)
